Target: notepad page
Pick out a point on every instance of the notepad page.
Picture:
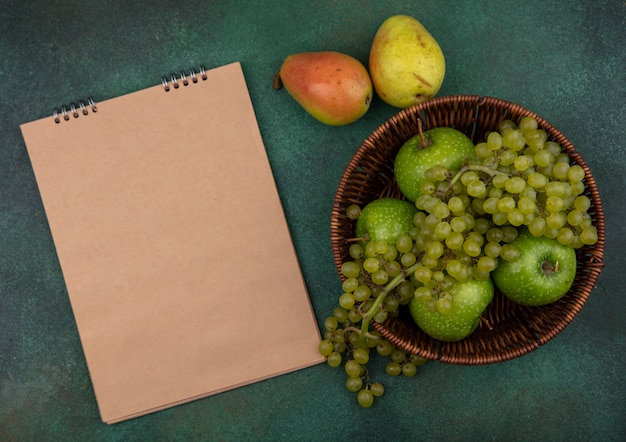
(173, 243)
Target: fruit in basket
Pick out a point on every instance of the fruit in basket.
(385, 219)
(406, 63)
(467, 302)
(543, 273)
(444, 146)
(334, 88)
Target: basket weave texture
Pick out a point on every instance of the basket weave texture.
(508, 330)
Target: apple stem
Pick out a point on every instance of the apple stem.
(547, 267)
(395, 282)
(424, 141)
(278, 82)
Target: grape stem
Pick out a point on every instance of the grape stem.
(465, 168)
(395, 282)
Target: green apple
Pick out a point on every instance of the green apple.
(543, 273)
(385, 219)
(444, 146)
(469, 300)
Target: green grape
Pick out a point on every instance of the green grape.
(554, 204)
(418, 218)
(477, 189)
(515, 217)
(507, 158)
(481, 226)
(468, 177)
(565, 236)
(494, 234)
(423, 293)
(442, 230)
(441, 210)
(472, 247)
(350, 269)
(575, 217)
(481, 150)
(408, 259)
(394, 268)
(377, 389)
(350, 284)
(362, 292)
(582, 203)
(469, 220)
(444, 304)
(514, 140)
(500, 218)
(477, 206)
(495, 192)
(490, 205)
(509, 252)
(435, 249)
(404, 244)
(578, 187)
(560, 170)
(553, 147)
(456, 205)
(494, 141)
(371, 265)
(397, 355)
(506, 125)
(393, 369)
(556, 220)
(454, 240)
(405, 292)
(457, 224)
(354, 384)
(500, 179)
(506, 204)
(437, 173)
(550, 232)
(353, 368)
(562, 158)
(334, 359)
(341, 315)
(365, 398)
(356, 251)
(486, 264)
(381, 247)
(381, 316)
(423, 274)
(326, 347)
(380, 277)
(515, 184)
(526, 205)
(492, 249)
(384, 347)
(558, 188)
(370, 249)
(576, 173)
(392, 304)
(353, 211)
(330, 323)
(522, 162)
(589, 235)
(438, 276)
(509, 234)
(347, 300)
(427, 187)
(543, 158)
(354, 316)
(430, 262)
(528, 123)
(409, 369)
(361, 356)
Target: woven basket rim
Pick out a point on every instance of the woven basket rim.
(516, 330)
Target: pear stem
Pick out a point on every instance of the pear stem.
(278, 82)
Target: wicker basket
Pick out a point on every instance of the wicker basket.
(510, 330)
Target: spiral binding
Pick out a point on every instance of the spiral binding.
(176, 81)
(73, 110)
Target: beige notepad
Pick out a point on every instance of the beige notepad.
(173, 243)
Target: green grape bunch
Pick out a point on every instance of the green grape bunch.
(466, 222)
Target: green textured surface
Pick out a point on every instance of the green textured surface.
(563, 60)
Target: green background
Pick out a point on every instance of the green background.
(564, 60)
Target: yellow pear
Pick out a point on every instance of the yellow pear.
(406, 64)
(334, 88)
